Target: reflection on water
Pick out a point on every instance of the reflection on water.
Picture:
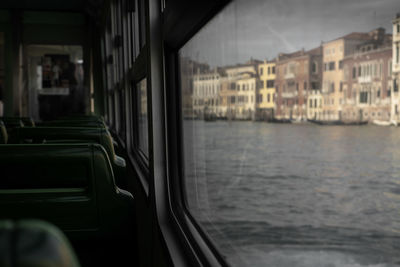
(296, 195)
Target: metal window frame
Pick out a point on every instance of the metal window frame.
(181, 22)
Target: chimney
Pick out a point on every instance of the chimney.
(377, 34)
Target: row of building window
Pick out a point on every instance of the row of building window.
(270, 70)
(270, 98)
(245, 87)
(206, 90)
(330, 66)
(207, 78)
(268, 83)
(370, 70)
(332, 50)
(289, 103)
(200, 102)
(315, 102)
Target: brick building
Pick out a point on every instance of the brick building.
(367, 83)
(296, 74)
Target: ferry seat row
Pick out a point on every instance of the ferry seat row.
(100, 136)
(69, 185)
(12, 122)
(77, 121)
(73, 123)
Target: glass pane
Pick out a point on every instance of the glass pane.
(122, 129)
(117, 111)
(111, 109)
(142, 22)
(136, 29)
(2, 74)
(284, 164)
(141, 102)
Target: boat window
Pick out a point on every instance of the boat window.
(142, 117)
(135, 28)
(142, 23)
(55, 76)
(2, 74)
(122, 123)
(275, 183)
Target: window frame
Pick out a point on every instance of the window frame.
(199, 248)
(126, 65)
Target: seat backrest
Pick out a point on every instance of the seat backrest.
(12, 122)
(34, 243)
(83, 118)
(27, 121)
(70, 185)
(3, 133)
(73, 123)
(63, 135)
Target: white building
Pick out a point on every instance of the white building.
(314, 105)
(246, 96)
(245, 77)
(394, 113)
(206, 87)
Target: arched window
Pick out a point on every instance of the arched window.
(314, 67)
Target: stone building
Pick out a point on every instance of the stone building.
(241, 102)
(205, 97)
(227, 99)
(367, 83)
(314, 106)
(245, 106)
(395, 69)
(333, 54)
(266, 91)
(189, 68)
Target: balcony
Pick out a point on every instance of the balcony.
(366, 79)
(289, 94)
(314, 92)
(396, 37)
(289, 76)
(396, 67)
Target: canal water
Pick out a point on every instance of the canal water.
(296, 194)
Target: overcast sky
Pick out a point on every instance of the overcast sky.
(263, 28)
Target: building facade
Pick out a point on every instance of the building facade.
(314, 106)
(296, 74)
(334, 53)
(240, 103)
(189, 68)
(367, 83)
(206, 87)
(246, 96)
(266, 91)
(395, 70)
(227, 99)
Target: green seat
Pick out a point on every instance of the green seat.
(34, 243)
(83, 118)
(73, 123)
(3, 133)
(11, 123)
(15, 121)
(27, 121)
(69, 185)
(70, 135)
